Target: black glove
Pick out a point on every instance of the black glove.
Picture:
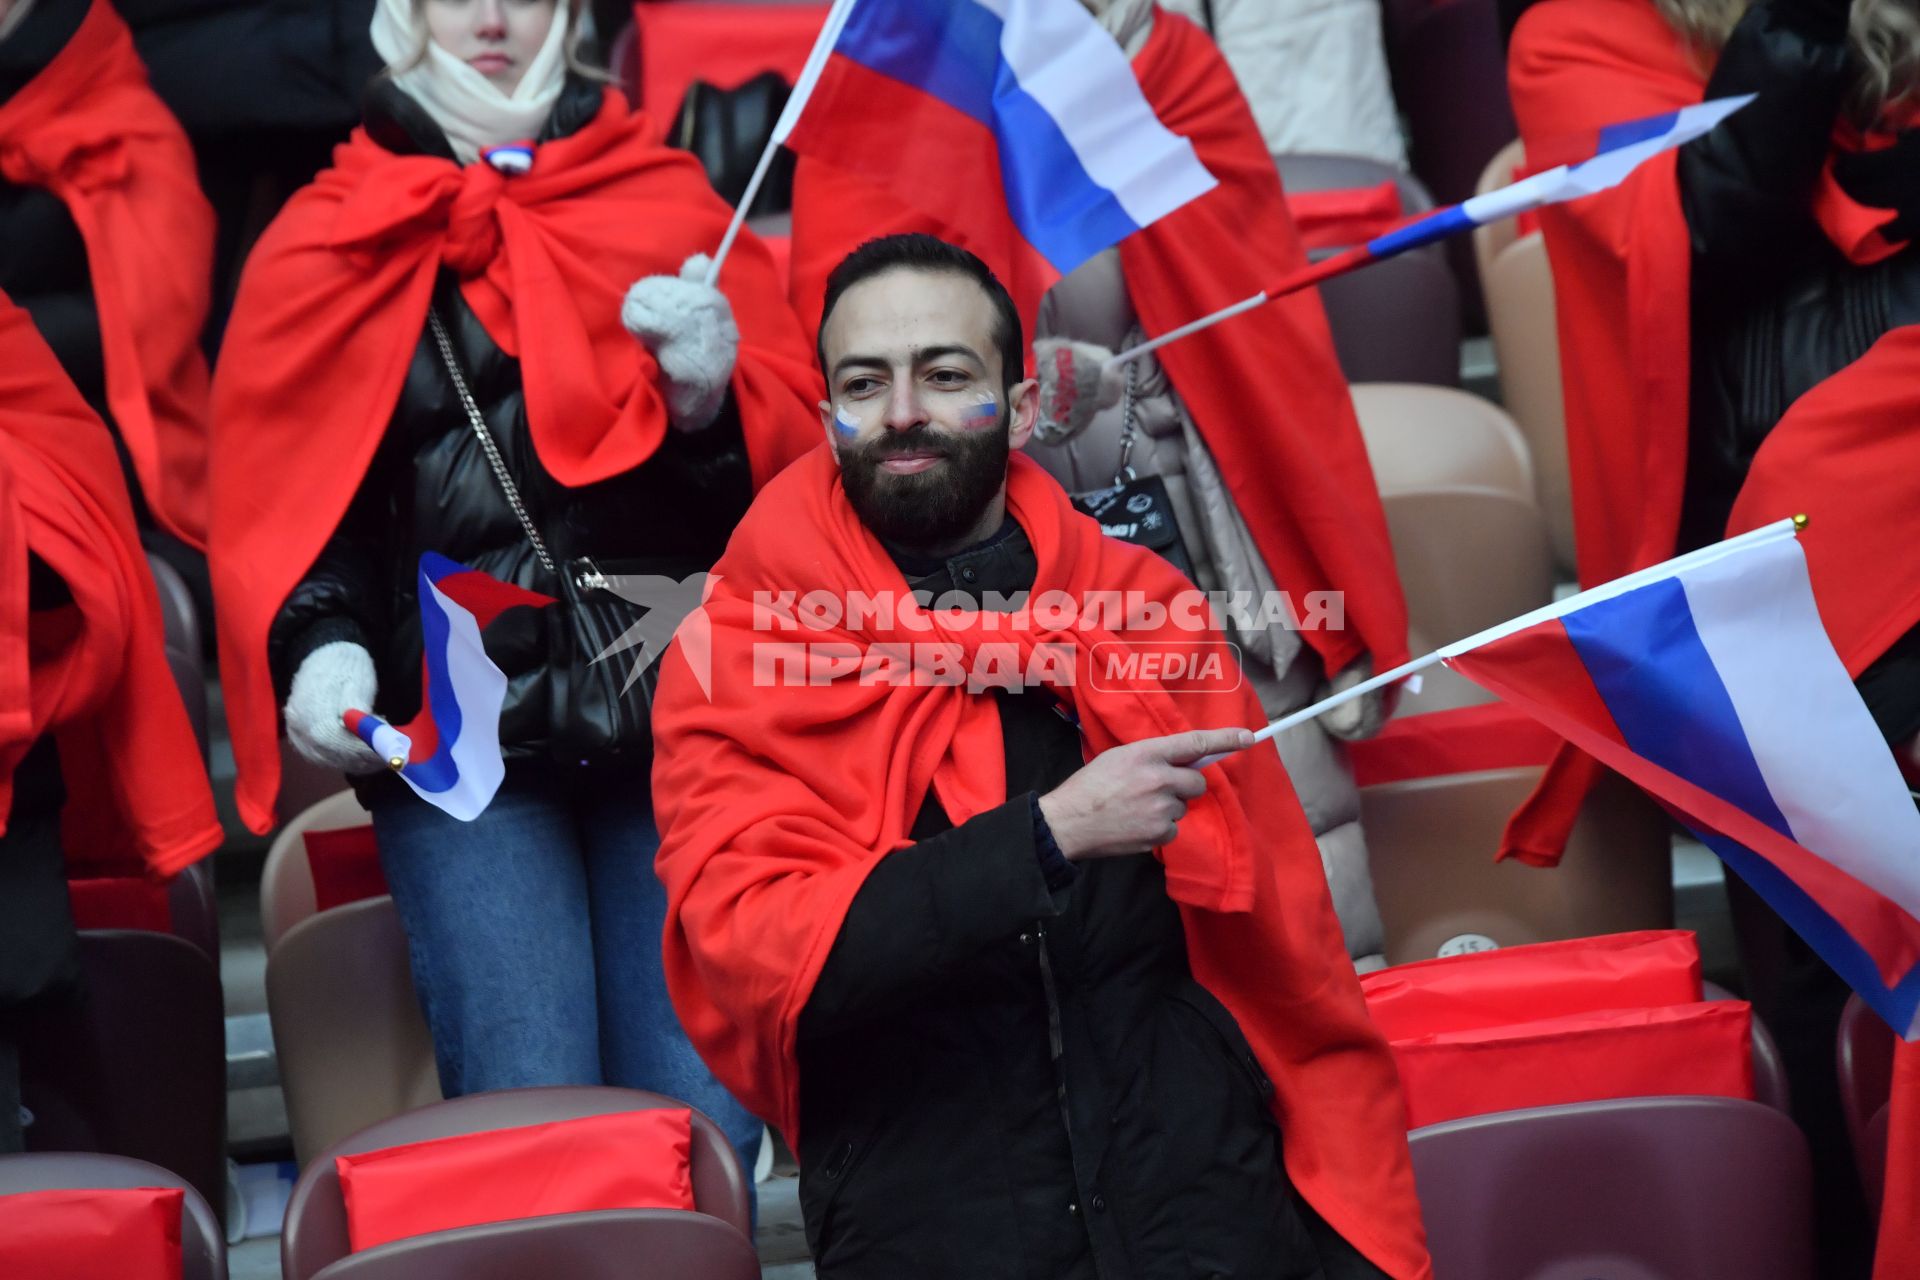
(1886, 179)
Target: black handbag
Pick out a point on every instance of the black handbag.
(598, 703)
(1136, 508)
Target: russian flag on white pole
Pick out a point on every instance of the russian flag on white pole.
(1028, 103)
(1612, 154)
(1710, 681)
(450, 753)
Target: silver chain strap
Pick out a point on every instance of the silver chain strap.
(492, 450)
(1128, 427)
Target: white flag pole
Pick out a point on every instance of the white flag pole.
(789, 117)
(1787, 528)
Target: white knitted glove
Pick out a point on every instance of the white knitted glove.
(689, 327)
(1360, 718)
(332, 680)
(1075, 384)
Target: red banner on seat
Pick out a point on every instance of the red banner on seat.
(1345, 216)
(87, 1233)
(725, 45)
(120, 902)
(627, 1160)
(345, 864)
(1572, 1021)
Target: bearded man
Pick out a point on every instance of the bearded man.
(957, 897)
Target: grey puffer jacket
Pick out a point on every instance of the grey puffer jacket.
(1092, 305)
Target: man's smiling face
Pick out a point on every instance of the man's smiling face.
(919, 413)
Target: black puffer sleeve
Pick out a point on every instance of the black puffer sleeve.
(347, 593)
(1746, 187)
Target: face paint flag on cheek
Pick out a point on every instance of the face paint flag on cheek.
(844, 422)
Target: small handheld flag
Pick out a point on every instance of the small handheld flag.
(1710, 681)
(450, 753)
(1618, 150)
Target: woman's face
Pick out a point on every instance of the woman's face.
(497, 38)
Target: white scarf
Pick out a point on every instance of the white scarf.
(468, 107)
(15, 16)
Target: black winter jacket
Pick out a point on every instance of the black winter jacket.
(430, 488)
(1776, 309)
(999, 1079)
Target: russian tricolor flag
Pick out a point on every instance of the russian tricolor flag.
(1026, 106)
(450, 753)
(1710, 681)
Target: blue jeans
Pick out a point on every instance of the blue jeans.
(534, 933)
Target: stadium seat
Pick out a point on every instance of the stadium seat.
(203, 1246)
(1769, 1068)
(1679, 1188)
(1863, 1052)
(1431, 842)
(1871, 1154)
(579, 1246)
(138, 1067)
(314, 1236)
(351, 1043)
(1398, 320)
(180, 628)
(286, 883)
(1518, 283)
(1457, 484)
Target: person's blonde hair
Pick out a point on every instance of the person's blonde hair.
(1883, 37)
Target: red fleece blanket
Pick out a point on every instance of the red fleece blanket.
(1844, 454)
(777, 799)
(89, 129)
(94, 673)
(332, 306)
(1265, 389)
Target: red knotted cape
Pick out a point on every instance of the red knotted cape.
(90, 130)
(332, 306)
(1265, 389)
(775, 802)
(93, 673)
(1845, 453)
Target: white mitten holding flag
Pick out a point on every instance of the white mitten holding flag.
(688, 325)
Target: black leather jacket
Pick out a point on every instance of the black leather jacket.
(430, 488)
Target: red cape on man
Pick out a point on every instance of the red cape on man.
(768, 831)
(94, 672)
(1844, 454)
(1265, 389)
(90, 130)
(331, 309)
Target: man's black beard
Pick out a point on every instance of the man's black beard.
(930, 508)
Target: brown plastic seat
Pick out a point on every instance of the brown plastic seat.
(351, 1043)
(203, 1248)
(1686, 1188)
(1456, 482)
(286, 882)
(1397, 320)
(1871, 1153)
(196, 915)
(1769, 1068)
(1517, 282)
(314, 1235)
(180, 631)
(137, 1068)
(1432, 840)
(1863, 1053)
(616, 1244)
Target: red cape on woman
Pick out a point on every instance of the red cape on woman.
(1845, 453)
(93, 673)
(777, 799)
(1265, 389)
(332, 306)
(90, 129)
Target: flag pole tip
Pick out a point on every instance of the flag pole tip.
(396, 763)
(1800, 522)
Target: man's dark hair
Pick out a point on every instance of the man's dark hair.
(916, 252)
